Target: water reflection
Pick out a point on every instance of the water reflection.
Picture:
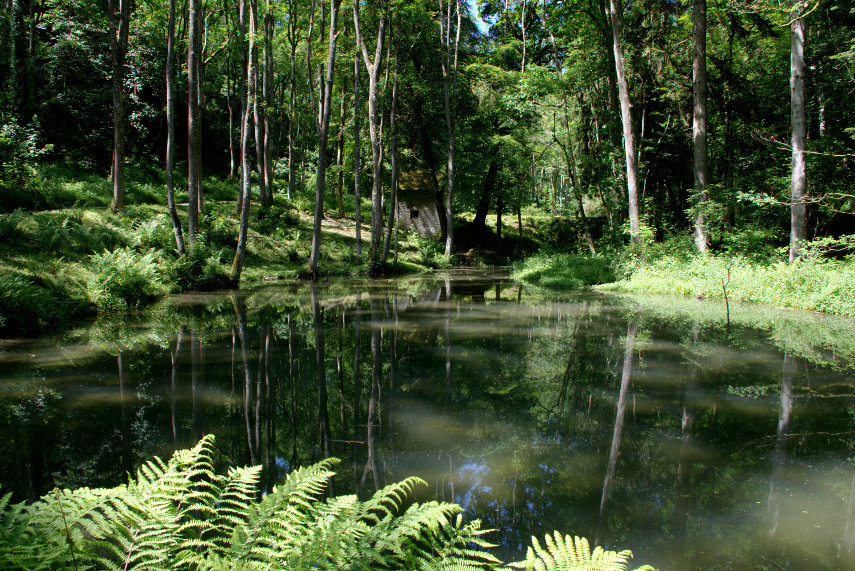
(667, 432)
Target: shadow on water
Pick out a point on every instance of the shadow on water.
(641, 423)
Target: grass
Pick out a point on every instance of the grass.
(813, 284)
(65, 264)
(566, 271)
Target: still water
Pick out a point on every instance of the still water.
(697, 437)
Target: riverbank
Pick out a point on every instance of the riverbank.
(815, 283)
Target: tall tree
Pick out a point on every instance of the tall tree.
(448, 57)
(194, 119)
(170, 129)
(119, 49)
(356, 156)
(251, 73)
(267, 97)
(393, 136)
(616, 19)
(798, 181)
(325, 93)
(374, 131)
(699, 121)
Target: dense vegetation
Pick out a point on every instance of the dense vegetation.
(644, 134)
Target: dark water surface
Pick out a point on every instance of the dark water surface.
(643, 423)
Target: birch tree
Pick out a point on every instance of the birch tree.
(626, 119)
(798, 181)
(699, 121)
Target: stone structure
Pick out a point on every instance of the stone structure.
(417, 204)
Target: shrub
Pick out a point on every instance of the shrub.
(200, 269)
(124, 278)
(26, 305)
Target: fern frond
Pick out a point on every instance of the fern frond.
(571, 554)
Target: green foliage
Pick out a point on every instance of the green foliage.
(182, 514)
(200, 269)
(124, 278)
(564, 270)
(431, 252)
(572, 554)
(27, 305)
(812, 283)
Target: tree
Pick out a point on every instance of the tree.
(449, 86)
(326, 95)
(374, 131)
(170, 128)
(251, 73)
(798, 181)
(119, 49)
(626, 120)
(194, 118)
(699, 121)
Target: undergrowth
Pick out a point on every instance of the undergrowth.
(567, 271)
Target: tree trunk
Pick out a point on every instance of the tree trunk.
(393, 136)
(356, 157)
(267, 87)
(373, 68)
(193, 119)
(242, 87)
(339, 156)
(118, 49)
(292, 99)
(487, 187)
(323, 130)
(798, 209)
(449, 76)
(258, 116)
(626, 120)
(240, 251)
(170, 130)
(699, 129)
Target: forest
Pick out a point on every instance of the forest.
(164, 142)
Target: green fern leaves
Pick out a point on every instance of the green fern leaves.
(182, 514)
(573, 554)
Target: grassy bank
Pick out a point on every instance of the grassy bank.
(58, 266)
(819, 282)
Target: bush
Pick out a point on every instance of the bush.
(124, 278)
(200, 269)
(26, 305)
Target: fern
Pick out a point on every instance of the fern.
(573, 554)
(182, 514)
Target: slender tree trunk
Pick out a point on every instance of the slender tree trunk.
(449, 76)
(267, 87)
(242, 87)
(118, 49)
(193, 119)
(798, 209)
(258, 113)
(373, 68)
(356, 154)
(292, 99)
(240, 251)
(323, 130)
(393, 137)
(626, 120)
(170, 130)
(339, 156)
(699, 129)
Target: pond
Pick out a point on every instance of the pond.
(697, 435)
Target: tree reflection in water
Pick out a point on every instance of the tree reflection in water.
(512, 403)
